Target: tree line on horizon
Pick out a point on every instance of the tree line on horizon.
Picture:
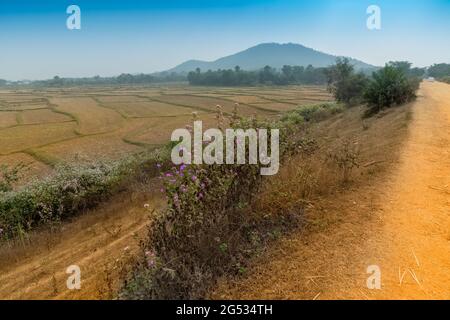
(299, 75)
(231, 77)
(266, 76)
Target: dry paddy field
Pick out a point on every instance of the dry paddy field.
(42, 127)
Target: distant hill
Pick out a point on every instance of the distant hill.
(273, 54)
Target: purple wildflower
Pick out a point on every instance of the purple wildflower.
(151, 258)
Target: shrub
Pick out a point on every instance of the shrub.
(445, 79)
(9, 176)
(209, 228)
(293, 118)
(70, 190)
(311, 113)
(346, 85)
(389, 87)
(439, 71)
(345, 157)
(202, 233)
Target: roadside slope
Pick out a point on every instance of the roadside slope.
(399, 221)
(101, 242)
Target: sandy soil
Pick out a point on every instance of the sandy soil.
(399, 223)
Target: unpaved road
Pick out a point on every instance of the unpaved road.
(399, 224)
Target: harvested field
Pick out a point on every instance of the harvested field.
(34, 168)
(205, 103)
(148, 109)
(20, 138)
(89, 148)
(43, 116)
(90, 116)
(49, 125)
(8, 119)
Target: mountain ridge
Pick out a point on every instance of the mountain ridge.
(272, 54)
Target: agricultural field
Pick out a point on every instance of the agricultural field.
(44, 127)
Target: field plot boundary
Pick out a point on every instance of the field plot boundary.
(139, 117)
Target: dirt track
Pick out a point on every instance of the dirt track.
(400, 224)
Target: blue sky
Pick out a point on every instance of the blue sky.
(145, 36)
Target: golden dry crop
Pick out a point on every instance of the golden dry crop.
(85, 123)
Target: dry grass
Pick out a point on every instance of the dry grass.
(101, 242)
(148, 109)
(20, 138)
(307, 263)
(33, 167)
(43, 116)
(8, 119)
(206, 103)
(91, 118)
(89, 148)
(246, 99)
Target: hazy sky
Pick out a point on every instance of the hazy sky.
(144, 36)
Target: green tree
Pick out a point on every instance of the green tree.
(388, 87)
(346, 85)
(440, 70)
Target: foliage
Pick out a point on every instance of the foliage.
(405, 67)
(67, 192)
(345, 158)
(122, 79)
(389, 87)
(346, 85)
(312, 113)
(265, 76)
(445, 79)
(439, 71)
(209, 228)
(10, 175)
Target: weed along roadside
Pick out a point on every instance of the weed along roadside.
(211, 206)
(234, 144)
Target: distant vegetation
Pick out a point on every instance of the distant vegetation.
(439, 71)
(392, 85)
(265, 76)
(445, 79)
(124, 78)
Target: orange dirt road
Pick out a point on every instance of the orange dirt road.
(399, 223)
